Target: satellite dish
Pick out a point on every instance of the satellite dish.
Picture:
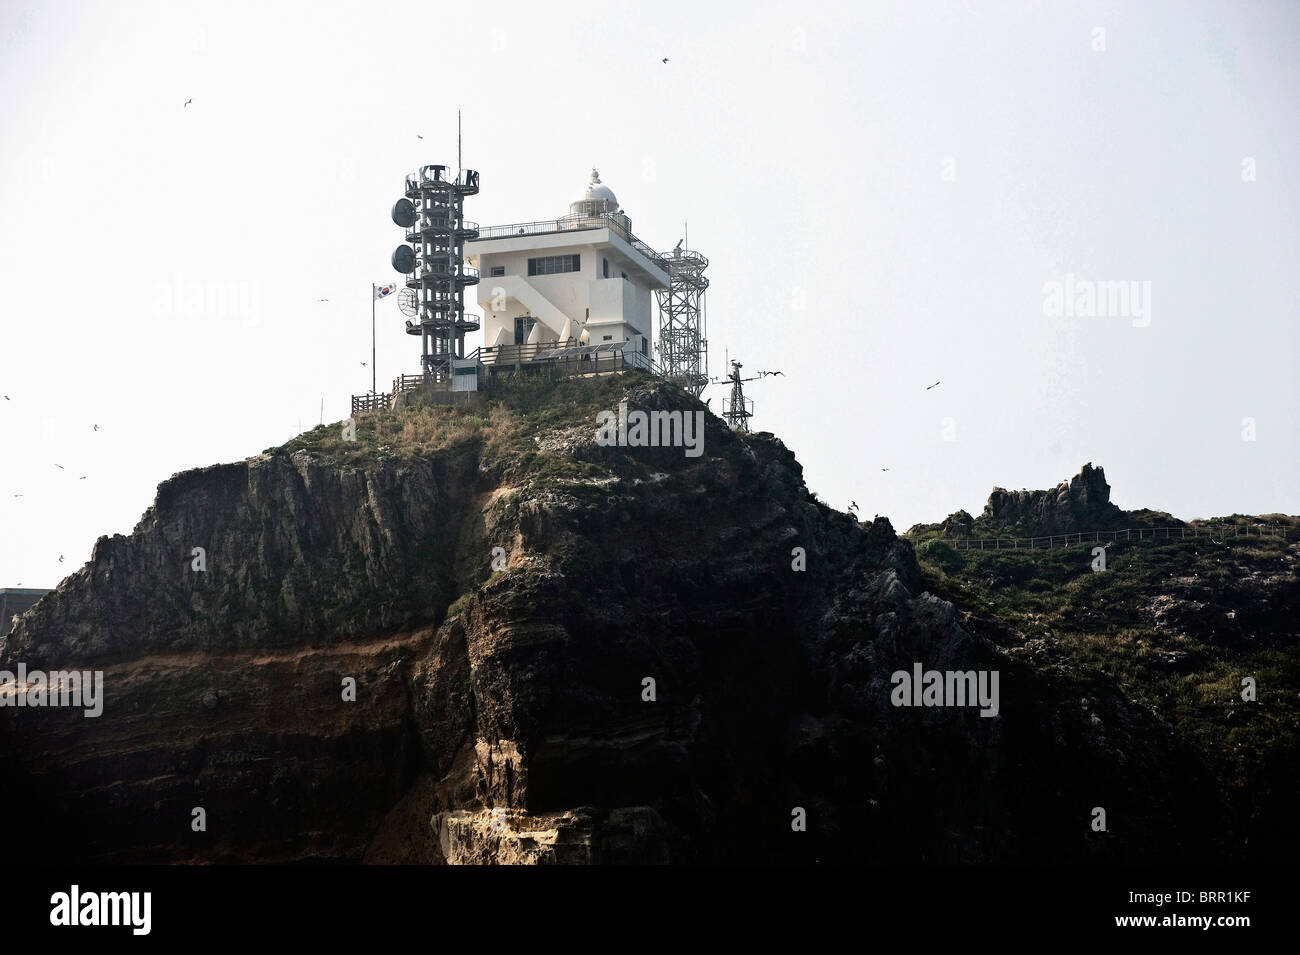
(408, 302)
(404, 259)
(404, 213)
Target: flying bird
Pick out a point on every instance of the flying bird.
(363, 365)
(60, 467)
(96, 427)
(418, 136)
(322, 300)
(853, 505)
(82, 478)
(884, 469)
(17, 495)
(187, 102)
(60, 558)
(665, 59)
(935, 385)
(6, 397)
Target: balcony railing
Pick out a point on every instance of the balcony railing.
(575, 224)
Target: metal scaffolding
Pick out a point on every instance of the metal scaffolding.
(683, 345)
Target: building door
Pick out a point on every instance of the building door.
(523, 328)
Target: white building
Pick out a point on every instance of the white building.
(583, 279)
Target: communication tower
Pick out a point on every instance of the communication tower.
(433, 215)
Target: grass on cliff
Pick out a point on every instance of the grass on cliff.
(1103, 626)
(505, 427)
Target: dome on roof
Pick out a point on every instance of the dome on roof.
(597, 198)
(598, 190)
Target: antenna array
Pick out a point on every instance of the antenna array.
(433, 215)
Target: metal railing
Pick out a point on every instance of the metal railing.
(513, 354)
(540, 357)
(576, 224)
(1124, 534)
(565, 358)
(440, 227)
(544, 352)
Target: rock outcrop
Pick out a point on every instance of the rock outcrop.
(562, 652)
(956, 525)
(1080, 504)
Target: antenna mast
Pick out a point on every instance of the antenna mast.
(736, 408)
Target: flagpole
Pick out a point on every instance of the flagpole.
(374, 381)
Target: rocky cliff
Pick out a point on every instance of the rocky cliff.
(562, 652)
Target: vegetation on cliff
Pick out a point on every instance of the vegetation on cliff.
(1176, 623)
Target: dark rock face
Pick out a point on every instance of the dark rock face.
(517, 725)
(223, 687)
(957, 524)
(1081, 504)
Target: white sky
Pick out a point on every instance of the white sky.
(160, 265)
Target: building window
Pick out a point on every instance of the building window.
(523, 328)
(604, 264)
(497, 271)
(552, 264)
(608, 338)
(644, 346)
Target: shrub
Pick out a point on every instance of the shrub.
(460, 605)
(940, 554)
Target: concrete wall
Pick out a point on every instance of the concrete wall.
(625, 307)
